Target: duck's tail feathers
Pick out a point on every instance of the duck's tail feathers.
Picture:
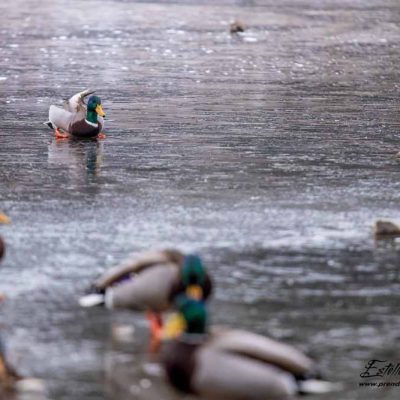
(92, 300)
(49, 124)
(316, 386)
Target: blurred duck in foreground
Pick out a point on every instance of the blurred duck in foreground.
(232, 364)
(8, 376)
(77, 118)
(150, 282)
(10, 380)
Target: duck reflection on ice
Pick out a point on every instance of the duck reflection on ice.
(82, 158)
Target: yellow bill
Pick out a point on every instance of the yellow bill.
(174, 327)
(194, 292)
(99, 110)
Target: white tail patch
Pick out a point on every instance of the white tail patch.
(123, 333)
(31, 385)
(315, 386)
(91, 300)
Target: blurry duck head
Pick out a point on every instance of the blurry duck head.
(193, 276)
(191, 318)
(94, 109)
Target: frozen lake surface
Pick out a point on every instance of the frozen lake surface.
(270, 153)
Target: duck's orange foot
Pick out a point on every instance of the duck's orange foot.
(61, 135)
(101, 135)
(156, 324)
(156, 328)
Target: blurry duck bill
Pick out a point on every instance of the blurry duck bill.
(99, 111)
(194, 292)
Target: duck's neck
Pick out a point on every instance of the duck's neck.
(91, 116)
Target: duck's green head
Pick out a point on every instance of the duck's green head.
(94, 106)
(191, 318)
(193, 276)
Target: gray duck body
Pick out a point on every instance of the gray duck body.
(149, 281)
(234, 365)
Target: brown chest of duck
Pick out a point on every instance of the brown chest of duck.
(185, 333)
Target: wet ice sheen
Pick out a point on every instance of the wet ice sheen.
(270, 152)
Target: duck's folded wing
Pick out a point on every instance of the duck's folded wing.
(60, 118)
(149, 290)
(262, 348)
(135, 265)
(76, 102)
(222, 375)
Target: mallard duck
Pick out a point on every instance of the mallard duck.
(76, 118)
(150, 282)
(237, 26)
(386, 229)
(232, 364)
